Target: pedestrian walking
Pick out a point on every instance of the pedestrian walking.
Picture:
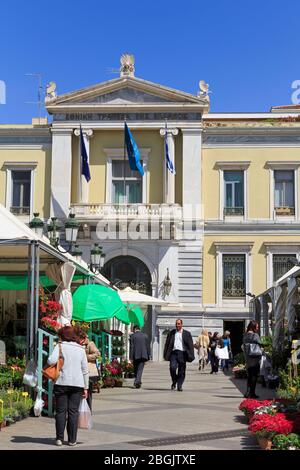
(253, 353)
(202, 345)
(71, 386)
(226, 343)
(92, 354)
(208, 349)
(215, 343)
(139, 353)
(179, 349)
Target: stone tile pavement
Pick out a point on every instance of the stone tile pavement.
(204, 416)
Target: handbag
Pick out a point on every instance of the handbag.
(253, 350)
(93, 370)
(52, 372)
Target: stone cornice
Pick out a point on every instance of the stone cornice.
(124, 108)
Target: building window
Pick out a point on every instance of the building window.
(281, 265)
(133, 184)
(234, 192)
(20, 192)
(284, 196)
(234, 276)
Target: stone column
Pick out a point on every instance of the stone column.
(191, 170)
(61, 170)
(82, 184)
(169, 178)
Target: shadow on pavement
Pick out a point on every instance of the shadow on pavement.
(34, 440)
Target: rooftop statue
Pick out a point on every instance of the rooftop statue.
(127, 65)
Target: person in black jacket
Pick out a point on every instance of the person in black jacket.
(179, 349)
(139, 353)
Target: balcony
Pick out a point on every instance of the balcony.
(127, 211)
(285, 210)
(229, 211)
(20, 210)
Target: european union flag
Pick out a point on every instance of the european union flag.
(85, 169)
(133, 152)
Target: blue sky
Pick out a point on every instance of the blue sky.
(248, 51)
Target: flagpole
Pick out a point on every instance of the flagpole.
(124, 161)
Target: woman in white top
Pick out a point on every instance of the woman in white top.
(71, 386)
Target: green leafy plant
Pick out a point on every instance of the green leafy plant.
(284, 442)
(239, 359)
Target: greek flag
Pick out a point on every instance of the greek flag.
(85, 169)
(169, 162)
(133, 152)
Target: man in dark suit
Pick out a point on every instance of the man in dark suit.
(139, 354)
(179, 349)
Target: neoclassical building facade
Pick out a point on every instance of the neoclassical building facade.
(224, 226)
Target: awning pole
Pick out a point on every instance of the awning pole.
(30, 301)
(36, 298)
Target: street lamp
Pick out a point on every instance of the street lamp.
(37, 225)
(97, 259)
(53, 229)
(77, 253)
(167, 284)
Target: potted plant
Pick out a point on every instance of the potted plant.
(250, 405)
(266, 426)
(286, 442)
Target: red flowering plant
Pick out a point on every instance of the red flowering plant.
(250, 405)
(112, 374)
(267, 426)
(49, 312)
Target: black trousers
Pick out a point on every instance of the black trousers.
(67, 401)
(253, 373)
(138, 365)
(214, 361)
(178, 367)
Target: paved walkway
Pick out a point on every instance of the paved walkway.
(204, 416)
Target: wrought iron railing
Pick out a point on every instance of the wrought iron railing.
(233, 211)
(20, 210)
(285, 210)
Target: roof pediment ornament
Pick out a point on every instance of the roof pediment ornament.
(203, 90)
(127, 65)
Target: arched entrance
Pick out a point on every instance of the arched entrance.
(128, 271)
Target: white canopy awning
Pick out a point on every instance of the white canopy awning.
(132, 296)
(13, 231)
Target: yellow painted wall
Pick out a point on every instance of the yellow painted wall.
(259, 260)
(258, 177)
(42, 178)
(115, 139)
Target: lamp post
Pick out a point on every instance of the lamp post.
(167, 284)
(53, 229)
(97, 259)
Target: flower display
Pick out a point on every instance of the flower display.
(266, 425)
(250, 405)
(49, 311)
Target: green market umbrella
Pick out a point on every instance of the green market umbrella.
(136, 316)
(123, 316)
(93, 302)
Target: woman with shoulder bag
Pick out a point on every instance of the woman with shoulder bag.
(71, 385)
(202, 345)
(253, 353)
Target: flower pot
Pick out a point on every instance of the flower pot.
(2, 424)
(264, 443)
